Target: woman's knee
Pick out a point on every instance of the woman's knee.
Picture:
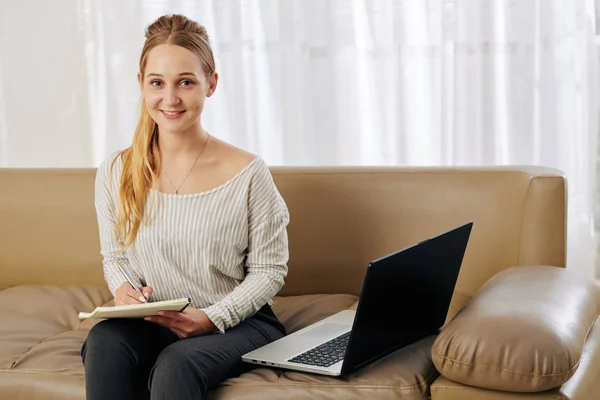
(105, 337)
(108, 330)
(174, 370)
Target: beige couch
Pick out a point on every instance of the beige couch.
(341, 218)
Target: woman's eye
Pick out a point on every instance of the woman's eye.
(187, 83)
(156, 83)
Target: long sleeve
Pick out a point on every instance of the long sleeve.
(266, 258)
(106, 212)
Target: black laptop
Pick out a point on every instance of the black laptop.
(405, 297)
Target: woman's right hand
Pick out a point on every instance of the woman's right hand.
(125, 294)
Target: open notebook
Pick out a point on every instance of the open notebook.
(137, 310)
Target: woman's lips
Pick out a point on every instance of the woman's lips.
(172, 114)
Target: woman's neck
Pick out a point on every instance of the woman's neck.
(181, 143)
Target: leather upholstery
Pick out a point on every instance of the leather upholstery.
(41, 340)
(514, 335)
(582, 386)
(445, 389)
(405, 374)
(341, 218)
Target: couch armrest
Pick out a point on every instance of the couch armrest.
(524, 331)
(585, 383)
(542, 237)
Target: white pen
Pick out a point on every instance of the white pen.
(131, 282)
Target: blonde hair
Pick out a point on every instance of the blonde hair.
(141, 161)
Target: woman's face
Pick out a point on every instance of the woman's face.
(174, 87)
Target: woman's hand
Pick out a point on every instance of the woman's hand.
(125, 294)
(190, 322)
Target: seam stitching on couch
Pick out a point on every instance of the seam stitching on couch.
(53, 374)
(587, 334)
(538, 376)
(328, 386)
(423, 383)
(421, 171)
(12, 366)
(476, 389)
(480, 366)
(523, 219)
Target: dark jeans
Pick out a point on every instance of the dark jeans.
(137, 359)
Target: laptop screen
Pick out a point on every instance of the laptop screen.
(405, 297)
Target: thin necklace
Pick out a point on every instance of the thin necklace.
(191, 169)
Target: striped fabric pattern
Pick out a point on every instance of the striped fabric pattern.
(226, 248)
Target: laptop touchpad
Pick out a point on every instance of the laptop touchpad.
(326, 329)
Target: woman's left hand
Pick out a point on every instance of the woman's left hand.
(190, 322)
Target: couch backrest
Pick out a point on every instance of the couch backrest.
(341, 218)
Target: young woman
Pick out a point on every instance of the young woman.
(187, 215)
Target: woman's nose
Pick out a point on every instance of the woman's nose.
(171, 96)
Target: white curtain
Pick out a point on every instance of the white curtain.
(323, 82)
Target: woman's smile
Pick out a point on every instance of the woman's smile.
(172, 114)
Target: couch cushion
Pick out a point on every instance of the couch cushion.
(41, 338)
(524, 331)
(405, 374)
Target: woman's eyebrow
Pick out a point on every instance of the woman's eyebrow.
(160, 76)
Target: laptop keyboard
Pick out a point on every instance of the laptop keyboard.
(325, 354)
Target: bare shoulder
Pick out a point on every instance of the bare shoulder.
(231, 159)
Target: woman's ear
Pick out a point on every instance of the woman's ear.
(139, 78)
(212, 84)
